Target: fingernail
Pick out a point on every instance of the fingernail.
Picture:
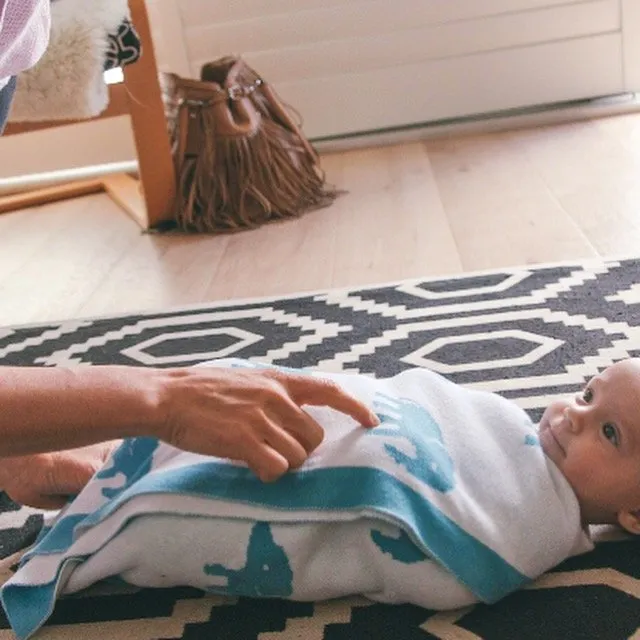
(374, 420)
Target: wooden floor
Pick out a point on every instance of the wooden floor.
(432, 208)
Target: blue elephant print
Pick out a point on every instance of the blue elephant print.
(132, 459)
(405, 419)
(400, 548)
(266, 574)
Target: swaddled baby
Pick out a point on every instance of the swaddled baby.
(455, 498)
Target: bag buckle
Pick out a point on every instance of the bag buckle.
(236, 92)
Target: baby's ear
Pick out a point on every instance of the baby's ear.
(630, 520)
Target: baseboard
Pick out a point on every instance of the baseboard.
(543, 115)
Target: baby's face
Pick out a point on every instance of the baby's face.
(594, 439)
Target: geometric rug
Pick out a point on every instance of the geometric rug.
(528, 334)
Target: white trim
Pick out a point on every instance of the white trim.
(631, 43)
(490, 123)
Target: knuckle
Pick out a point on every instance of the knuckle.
(316, 437)
(271, 388)
(298, 459)
(329, 385)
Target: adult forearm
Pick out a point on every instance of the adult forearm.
(253, 415)
(48, 409)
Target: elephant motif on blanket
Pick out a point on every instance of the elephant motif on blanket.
(414, 429)
(267, 572)
(132, 459)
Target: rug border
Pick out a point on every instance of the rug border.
(230, 302)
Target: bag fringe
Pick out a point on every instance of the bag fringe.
(244, 181)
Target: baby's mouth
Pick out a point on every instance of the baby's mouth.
(553, 426)
(548, 429)
(555, 437)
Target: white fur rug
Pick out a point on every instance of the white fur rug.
(68, 82)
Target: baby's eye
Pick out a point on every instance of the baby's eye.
(611, 433)
(587, 395)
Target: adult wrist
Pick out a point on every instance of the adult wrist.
(147, 403)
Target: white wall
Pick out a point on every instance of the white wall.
(66, 147)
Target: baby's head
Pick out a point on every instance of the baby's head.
(594, 439)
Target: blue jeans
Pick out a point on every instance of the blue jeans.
(6, 95)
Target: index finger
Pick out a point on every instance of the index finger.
(320, 392)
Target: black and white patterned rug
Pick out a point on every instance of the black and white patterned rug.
(528, 334)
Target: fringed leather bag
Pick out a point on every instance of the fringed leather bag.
(241, 160)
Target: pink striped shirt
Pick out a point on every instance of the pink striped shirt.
(24, 35)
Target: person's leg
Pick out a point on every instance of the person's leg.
(6, 95)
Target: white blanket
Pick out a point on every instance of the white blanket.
(449, 501)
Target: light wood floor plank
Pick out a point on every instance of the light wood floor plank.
(445, 206)
(500, 210)
(69, 264)
(139, 280)
(593, 171)
(25, 235)
(391, 224)
(276, 258)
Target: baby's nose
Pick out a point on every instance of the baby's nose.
(575, 417)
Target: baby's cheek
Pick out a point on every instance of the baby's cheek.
(581, 470)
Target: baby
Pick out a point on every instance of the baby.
(594, 440)
(455, 498)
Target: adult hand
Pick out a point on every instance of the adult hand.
(253, 415)
(48, 480)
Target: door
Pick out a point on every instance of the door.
(352, 66)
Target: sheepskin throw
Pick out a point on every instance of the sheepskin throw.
(68, 82)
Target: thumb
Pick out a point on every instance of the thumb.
(70, 474)
(51, 503)
(71, 470)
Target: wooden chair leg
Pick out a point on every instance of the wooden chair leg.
(127, 193)
(156, 170)
(49, 194)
